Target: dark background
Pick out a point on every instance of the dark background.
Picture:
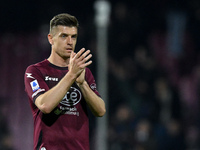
(154, 69)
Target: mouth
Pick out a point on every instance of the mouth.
(69, 49)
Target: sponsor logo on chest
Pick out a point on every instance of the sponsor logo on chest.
(72, 97)
(48, 78)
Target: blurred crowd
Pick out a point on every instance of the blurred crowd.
(154, 75)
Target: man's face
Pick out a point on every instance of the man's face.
(64, 40)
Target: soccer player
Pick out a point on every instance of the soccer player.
(59, 90)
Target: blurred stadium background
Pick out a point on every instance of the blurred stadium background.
(153, 70)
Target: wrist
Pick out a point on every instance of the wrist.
(72, 76)
(82, 84)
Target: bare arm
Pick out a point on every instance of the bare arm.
(95, 103)
(50, 99)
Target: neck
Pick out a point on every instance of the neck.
(59, 61)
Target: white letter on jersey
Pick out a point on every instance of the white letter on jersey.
(29, 75)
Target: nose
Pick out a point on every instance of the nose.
(69, 40)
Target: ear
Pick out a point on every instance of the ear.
(50, 38)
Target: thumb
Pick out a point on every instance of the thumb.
(72, 54)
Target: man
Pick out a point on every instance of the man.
(59, 90)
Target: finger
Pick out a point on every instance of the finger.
(87, 64)
(80, 53)
(86, 53)
(88, 57)
(84, 57)
(72, 54)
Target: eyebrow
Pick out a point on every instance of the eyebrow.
(67, 34)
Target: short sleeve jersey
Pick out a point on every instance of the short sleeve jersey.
(67, 126)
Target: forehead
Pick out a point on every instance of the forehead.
(65, 29)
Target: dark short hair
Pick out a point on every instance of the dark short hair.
(63, 19)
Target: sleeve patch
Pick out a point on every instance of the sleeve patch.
(38, 91)
(34, 85)
(93, 86)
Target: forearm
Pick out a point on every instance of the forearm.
(50, 99)
(95, 103)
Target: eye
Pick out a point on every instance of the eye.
(74, 36)
(63, 35)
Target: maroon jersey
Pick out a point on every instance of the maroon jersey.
(67, 126)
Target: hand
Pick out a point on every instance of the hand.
(81, 78)
(79, 61)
